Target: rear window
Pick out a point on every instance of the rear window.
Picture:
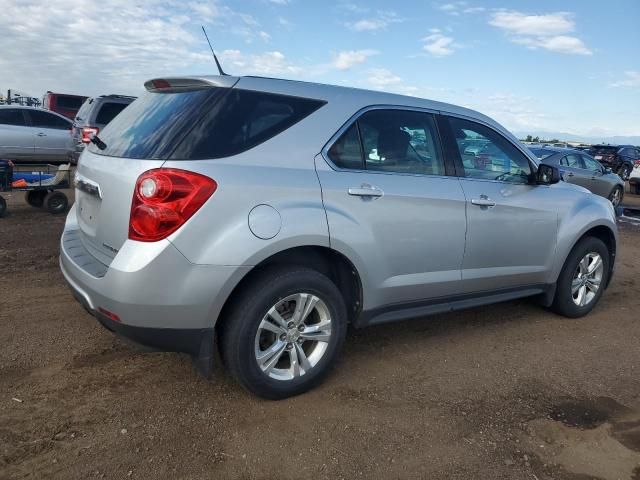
(71, 103)
(603, 150)
(200, 124)
(108, 111)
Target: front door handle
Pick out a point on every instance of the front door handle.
(483, 201)
(365, 191)
(570, 174)
(42, 134)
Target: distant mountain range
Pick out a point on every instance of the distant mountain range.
(569, 137)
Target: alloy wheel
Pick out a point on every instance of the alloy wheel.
(293, 336)
(587, 279)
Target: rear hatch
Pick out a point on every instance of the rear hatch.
(605, 154)
(142, 137)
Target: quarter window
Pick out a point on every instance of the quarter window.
(399, 141)
(487, 155)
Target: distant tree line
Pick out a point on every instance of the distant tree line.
(537, 139)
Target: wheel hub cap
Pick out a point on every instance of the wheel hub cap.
(293, 336)
(587, 279)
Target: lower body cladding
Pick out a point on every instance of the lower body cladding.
(158, 299)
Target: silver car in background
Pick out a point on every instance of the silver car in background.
(582, 169)
(261, 216)
(34, 135)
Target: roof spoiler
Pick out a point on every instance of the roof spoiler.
(169, 84)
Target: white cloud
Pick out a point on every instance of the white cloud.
(458, 8)
(268, 63)
(280, 2)
(346, 59)
(549, 31)
(632, 80)
(437, 44)
(113, 46)
(380, 78)
(380, 21)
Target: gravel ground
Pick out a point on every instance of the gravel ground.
(509, 391)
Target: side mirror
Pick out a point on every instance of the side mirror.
(547, 174)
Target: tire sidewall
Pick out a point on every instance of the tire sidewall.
(564, 303)
(263, 296)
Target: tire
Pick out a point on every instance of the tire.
(564, 301)
(616, 195)
(635, 188)
(35, 198)
(624, 172)
(3, 207)
(56, 202)
(243, 338)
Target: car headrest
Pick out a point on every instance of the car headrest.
(393, 144)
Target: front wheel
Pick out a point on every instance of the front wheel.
(284, 332)
(583, 278)
(624, 172)
(616, 196)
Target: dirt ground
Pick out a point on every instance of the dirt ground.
(509, 391)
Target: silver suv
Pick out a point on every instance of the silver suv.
(260, 216)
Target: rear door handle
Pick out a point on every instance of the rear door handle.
(42, 134)
(483, 202)
(365, 191)
(570, 174)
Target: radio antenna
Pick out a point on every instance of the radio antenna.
(212, 52)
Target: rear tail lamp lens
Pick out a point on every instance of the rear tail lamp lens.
(164, 199)
(87, 132)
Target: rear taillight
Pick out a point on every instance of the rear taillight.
(164, 199)
(87, 132)
(636, 164)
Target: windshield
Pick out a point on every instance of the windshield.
(541, 153)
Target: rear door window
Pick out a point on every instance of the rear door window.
(42, 119)
(201, 124)
(12, 116)
(574, 161)
(400, 141)
(108, 111)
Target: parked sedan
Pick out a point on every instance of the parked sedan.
(30, 134)
(582, 169)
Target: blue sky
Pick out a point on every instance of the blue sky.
(570, 66)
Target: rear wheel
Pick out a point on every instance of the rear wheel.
(284, 332)
(583, 277)
(616, 196)
(3, 207)
(56, 202)
(35, 198)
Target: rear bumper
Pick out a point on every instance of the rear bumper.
(149, 293)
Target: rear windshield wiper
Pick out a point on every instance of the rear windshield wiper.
(97, 142)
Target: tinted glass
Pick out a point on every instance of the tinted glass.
(347, 151)
(494, 158)
(573, 161)
(241, 120)
(71, 103)
(42, 119)
(108, 111)
(11, 116)
(198, 124)
(603, 149)
(400, 141)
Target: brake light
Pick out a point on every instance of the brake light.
(87, 132)
(164, 199)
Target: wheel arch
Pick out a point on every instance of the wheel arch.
(607, 236)
(335, 265)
